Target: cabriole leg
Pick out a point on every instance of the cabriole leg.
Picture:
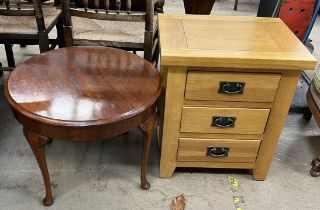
(147, 131)
(37, 144)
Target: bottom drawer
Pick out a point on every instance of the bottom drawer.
(218, 150)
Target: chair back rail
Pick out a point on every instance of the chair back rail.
(115, 10)
(16, 8)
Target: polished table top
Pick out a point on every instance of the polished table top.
(83, 84)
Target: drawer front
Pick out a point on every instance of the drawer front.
(223, 120)
(249, 87)
(218, 150)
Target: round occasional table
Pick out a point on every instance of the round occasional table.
(81, 94)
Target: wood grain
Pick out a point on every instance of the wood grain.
(198, 7)
(79, 94)
(248, 121)
(221, 136)
(198, 164)
(261, 51)
(84, 94)
(257, 88)
(239, 42)
(175, 84)
(228, 104)
(196, 150)
(276, 121)
(179, 41)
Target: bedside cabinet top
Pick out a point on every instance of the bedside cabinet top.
(231, 42)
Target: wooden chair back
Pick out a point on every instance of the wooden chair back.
(119, 10)
(18, 8)
(116, 10)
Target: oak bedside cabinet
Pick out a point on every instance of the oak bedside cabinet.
(228, 85)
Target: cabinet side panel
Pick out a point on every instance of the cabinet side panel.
(174, 96)
(277, 118)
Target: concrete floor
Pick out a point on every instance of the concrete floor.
(106, 174)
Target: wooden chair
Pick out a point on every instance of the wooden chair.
(235, 5)
(28, 24)
(313, 99)
(124, 24)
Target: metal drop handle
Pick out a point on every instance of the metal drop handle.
(218, 152)
(231, 87)
(223, 122)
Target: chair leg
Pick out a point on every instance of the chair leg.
(148, 46)
(43, 41)
(235, 5)
(315, 170)
(9, 53)
(1, 72)
(307, 114)
(156, 56)
(60, 37)
(68, 37)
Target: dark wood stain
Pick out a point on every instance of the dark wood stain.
(315, 112)
(81, 94)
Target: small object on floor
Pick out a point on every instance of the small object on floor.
(178, 203)
(238, 202)
(315, 170)
(234, 183)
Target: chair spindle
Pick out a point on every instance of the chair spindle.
(118, 6)
(96, 4)
(107, 6)
(85, 4)
(18, 2)
(128, 6)
(7, 4)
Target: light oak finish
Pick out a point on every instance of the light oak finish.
(226, 104)
(197, 53)
(202, 85)
(196, 150)
(221, 136)
(174, 94)
(248, 121)
(277, 118)
(240, 42)
(214, 165)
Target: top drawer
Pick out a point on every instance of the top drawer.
(218, 86)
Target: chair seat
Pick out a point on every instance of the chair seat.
(27, 24)
(120, 34)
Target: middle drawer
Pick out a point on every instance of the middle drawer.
(223, 120)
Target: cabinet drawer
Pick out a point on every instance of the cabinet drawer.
(223, 120)
(218, 150)
(250, 87)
